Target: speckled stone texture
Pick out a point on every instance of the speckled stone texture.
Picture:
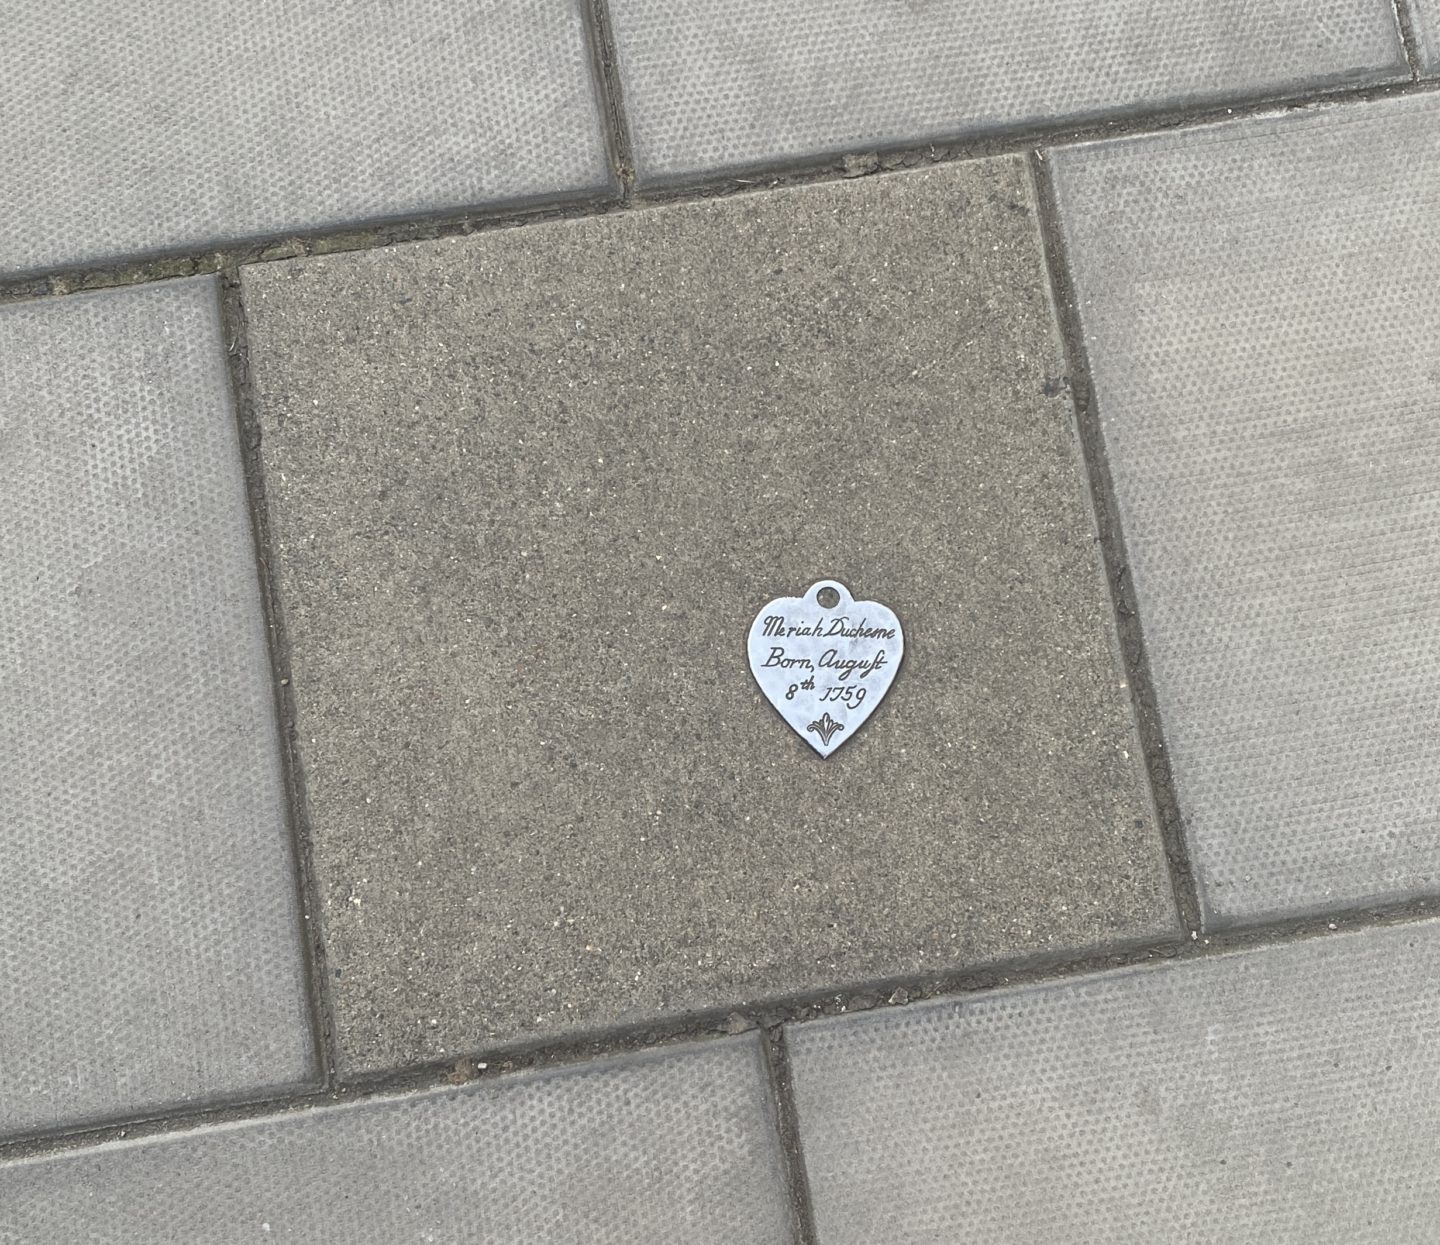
(526, 492)
(727, 84)
(1282, 1094)
(657, 1148)
(1261, 302)
(150, 955)
(133, 128)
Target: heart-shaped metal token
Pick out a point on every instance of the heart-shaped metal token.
(825, 661)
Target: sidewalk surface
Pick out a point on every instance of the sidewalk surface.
(404, 413)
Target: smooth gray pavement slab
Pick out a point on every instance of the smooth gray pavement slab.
(149, 947)
(136, 128)
(1286, 1094)
(656, 1148)
(714, 86)
(1425, 23)
(1260, 304)
(527, 492)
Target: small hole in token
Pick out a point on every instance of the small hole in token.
(828, 598)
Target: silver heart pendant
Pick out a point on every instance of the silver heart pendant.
(825, 661)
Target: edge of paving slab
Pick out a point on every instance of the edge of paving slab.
(605, 63)
(1222, 953)
(315, 1106)
(1106, 121)
(237, 362)
(212, 1082)
(1105, 511)
(785, 1112)
(1021, 140)
(1210, 917)
(771, 1015)
(164, 264)
(1409, 37)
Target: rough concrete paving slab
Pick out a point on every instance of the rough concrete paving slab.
(528, 491)
(149, 947)
(1285, 1094)
(648, 1150)
(717, 86)
(1260, 306)
(135, 128)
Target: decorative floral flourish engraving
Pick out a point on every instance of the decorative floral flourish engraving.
(825, 660)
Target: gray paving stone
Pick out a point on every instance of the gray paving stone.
(528, 490)
(1260, 303)
(170, 125)
(1279, 1095)
(661, 1147)
(749, 82)
(1425, 22)
(149, 946)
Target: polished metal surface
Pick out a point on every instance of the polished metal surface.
(825, 661)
